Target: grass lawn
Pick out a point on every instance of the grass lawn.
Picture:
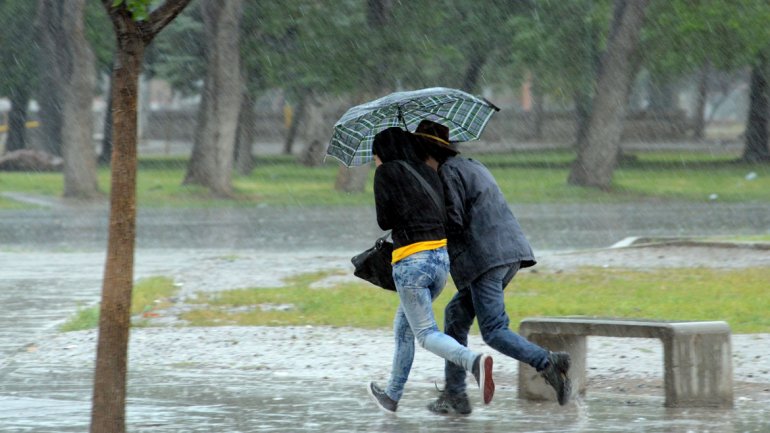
(736, 296)
(524, 177)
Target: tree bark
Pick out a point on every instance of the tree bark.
(296, 119)
(105, 156)
(756, 146)
(17, 119)
(50, 32)
(596, 160)
(211, 163)
(473, 71)
(244, 159)
(108, 413)
(699, 124)
(79, 76)
(317, 134)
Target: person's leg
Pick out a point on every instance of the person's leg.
(403, 356)
(458, 318)
(488, 301)
(420, 278)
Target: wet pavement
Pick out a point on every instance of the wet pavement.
(311, 379)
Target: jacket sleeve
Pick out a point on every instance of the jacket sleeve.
(454, 197)
(382, 197)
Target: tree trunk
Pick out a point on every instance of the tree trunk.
(50, 33)
(114, 316)
(105, 156)
(211, 163)
(582, 101)
(317, 134)
(244, 159)
(296, 119)
(108, 412)
(596, 160)
(538, 110)
(473, 71)
(756, 147)
(699, 124)
(79, 76)
(17, 119)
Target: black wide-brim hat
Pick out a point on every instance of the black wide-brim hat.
(436, 134)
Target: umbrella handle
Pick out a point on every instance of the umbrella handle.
(401, 116)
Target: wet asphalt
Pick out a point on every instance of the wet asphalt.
(265, 380)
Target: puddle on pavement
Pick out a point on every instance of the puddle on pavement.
(173, 401)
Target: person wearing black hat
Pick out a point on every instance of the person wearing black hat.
(420, 265)
(486, 248)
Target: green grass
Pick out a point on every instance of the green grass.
(736, 296)
(148, 294)
(524, 177)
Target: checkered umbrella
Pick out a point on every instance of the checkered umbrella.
(464, 114)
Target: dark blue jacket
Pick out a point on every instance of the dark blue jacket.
(482, 232)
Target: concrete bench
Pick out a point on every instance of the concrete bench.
(697, 356)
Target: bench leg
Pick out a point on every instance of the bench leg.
(698, 370)
(533, 387)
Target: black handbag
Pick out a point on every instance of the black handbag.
(374, 265)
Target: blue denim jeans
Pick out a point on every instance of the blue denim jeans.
(420, 278)
(484, 299)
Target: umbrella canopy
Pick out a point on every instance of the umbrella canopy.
(464, 114)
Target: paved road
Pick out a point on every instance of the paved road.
(548, 226)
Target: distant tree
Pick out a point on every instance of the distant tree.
(705, 39)
(596, 159)
(97, 24)
(559, 45)
(756, 144)
(211, 163)
(379, 15)
(51, 61)
(77, 95)
(17, 61)
(135, 27)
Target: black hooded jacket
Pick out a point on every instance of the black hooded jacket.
(403, 205)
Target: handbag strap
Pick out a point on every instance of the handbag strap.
(429, 189)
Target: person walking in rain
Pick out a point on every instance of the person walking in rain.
(420, 266)
(486, 248)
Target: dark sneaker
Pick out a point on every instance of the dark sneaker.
(482, 371)
(555, 374)
(447, 404)
(385, 403)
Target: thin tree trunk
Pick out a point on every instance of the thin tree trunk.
(108, 411)
(17, 119)
(756, 147)
(105, 156)
(79, 74)
(316, 134)
(244, 159)
(211, 163)
(109, 398)
(699, 125)
(473, 71)
(596, 160)
(296, 119)
(51, 58)
(538, 110)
